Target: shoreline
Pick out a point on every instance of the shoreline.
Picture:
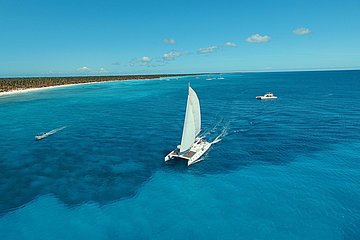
(27, 90)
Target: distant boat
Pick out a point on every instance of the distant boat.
(47, 134)
(221, 77)
(267, 96)
(192, 146)
(213, 78)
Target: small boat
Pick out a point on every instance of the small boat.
(47, 134)
(267, 96)
(192, 146)
(43, 135)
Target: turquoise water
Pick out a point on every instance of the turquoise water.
(285, 169)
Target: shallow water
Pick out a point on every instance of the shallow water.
(284, 169)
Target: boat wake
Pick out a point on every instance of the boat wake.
(213, 133)
(212, 79)
(220, 137)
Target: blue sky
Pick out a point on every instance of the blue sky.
(65, 37)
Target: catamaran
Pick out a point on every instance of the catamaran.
(192, 146)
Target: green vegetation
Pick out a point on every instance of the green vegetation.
(7, 84)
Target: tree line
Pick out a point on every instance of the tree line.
(7, 84)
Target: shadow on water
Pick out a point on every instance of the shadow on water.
(176, 165)
(113, 151)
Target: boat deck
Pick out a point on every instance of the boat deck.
(189, 154)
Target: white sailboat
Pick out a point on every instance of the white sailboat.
(192, 146)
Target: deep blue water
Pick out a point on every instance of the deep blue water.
(285, 169)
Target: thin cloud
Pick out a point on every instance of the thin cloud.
(230, 44)
(84, 69)
(103, 70)
(143, 61)
(257, 38)
(169, 41)
(146, 59)
(172, 55)
(207, 50)
(116, 63)
(158, 62)
(302, 31)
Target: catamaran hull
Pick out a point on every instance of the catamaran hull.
(195, 153)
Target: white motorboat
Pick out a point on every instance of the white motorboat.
(47, 134)
(221, 77)
(267, 96)
(192, 147)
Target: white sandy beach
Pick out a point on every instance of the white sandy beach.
(19, 91)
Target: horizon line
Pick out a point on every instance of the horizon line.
(193, 73)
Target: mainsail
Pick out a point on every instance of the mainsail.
(192, 123)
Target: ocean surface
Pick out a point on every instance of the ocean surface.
(284, 169)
